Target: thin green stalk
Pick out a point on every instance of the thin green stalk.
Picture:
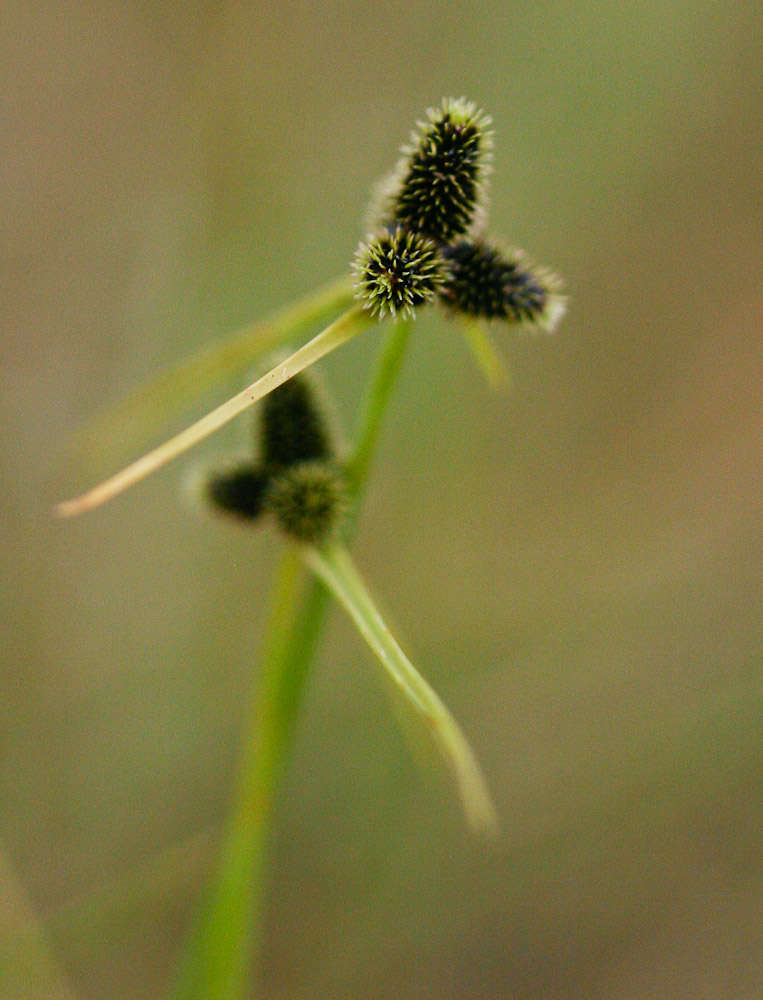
(219, 956)
(129, 423)
(489, 360)
(339, 332)
(217, 962)
(369, 426)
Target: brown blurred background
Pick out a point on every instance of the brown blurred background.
(575, 564)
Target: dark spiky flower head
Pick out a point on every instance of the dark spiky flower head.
(439, 185)
(307, 500)
(397, 271)
(293, 438)
(492, 283)
(292, 426)
(239, 491)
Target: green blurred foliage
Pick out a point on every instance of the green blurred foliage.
(575, 564)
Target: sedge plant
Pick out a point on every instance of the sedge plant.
(426, 244)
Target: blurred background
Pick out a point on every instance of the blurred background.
(575, 563)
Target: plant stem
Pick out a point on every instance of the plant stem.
(217, 963)
(340, 331)
(219, 957)
(488, 359)
(369, 425)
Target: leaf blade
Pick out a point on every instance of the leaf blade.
(334, 567)
(340, 331)
(130, 422)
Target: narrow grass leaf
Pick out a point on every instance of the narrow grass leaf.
(340, 331)
(129, 423)
(334, 567)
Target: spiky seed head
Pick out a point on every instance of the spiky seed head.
(396, 271)
(293, 429)
(485, 280)
(307, 499)
(439, 186)
(239, 491)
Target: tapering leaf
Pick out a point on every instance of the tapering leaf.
(340, 331)
(334, 567)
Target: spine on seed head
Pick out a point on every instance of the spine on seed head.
(396, 271)
(489, 282)
(438, 188)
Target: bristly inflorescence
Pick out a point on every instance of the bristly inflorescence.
(427, 243)
(292, 428)
(439, 187)
(239, 491)
(485, 280)
(298, 480)
(427, 215)
(307, 500)
(397, 271)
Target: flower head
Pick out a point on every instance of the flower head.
(489, 282)
(292, 427)
(397, 271)
(307, 500)
(239, 491)
(297, 481)
(438, 187)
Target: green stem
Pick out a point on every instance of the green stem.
(219, 956)
(217, 962)
(369, 426)
(488, 359)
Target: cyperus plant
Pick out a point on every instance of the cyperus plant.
(395, 276)
(425, 245)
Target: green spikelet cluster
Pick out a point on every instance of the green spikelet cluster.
(429, 212)
(292, 427)
(441, 186)
(239, 491)
(397, 271)
(487, 281)
(307, 500)
(297, 481)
